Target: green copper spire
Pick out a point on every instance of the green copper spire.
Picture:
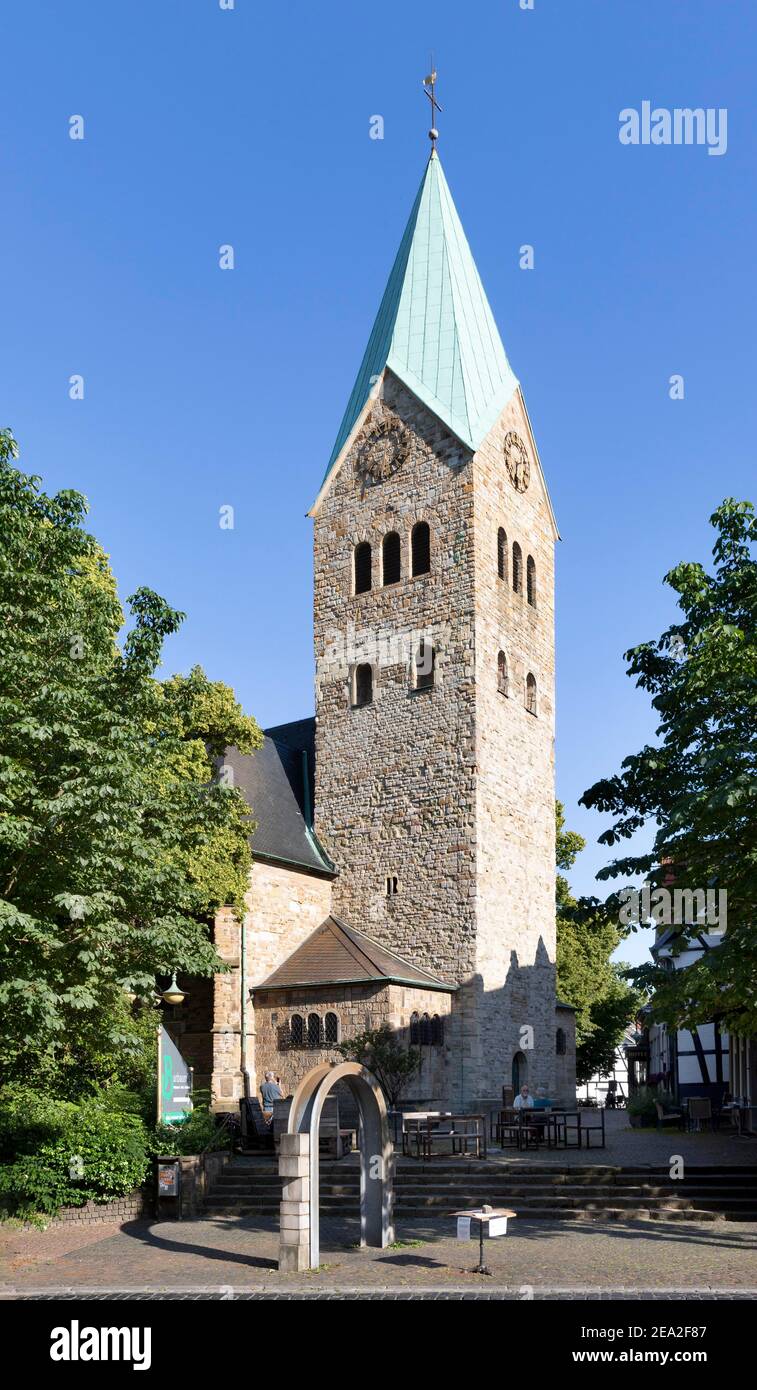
(435, 329)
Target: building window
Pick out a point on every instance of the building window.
(425, 1031)
(517, 569)
(421, 548)
(297, 1031)
(362, 567)
(531, 581)
(437, 1031)
(501, 554)
(415, 1030)
(363, 685)
(425, 665)
(331, 1028)
(391, 886)
(502, 673)
(392, 564)
(561, 1045)
(531, 693)
(314, 1030)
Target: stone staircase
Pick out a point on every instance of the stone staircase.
(251, 1187)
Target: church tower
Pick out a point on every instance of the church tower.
(434, 645)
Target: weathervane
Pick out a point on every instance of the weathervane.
(429, 86)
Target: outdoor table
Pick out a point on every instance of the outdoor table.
(463, 1130)
(486, 1217)
(416, 1119)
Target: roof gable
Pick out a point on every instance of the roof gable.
(336, 953)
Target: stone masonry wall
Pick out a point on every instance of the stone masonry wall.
(284, 906)
(515, 903)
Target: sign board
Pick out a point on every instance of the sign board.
(174, 1082)
(168, 1179)
(498, 1226)
(463, 1228)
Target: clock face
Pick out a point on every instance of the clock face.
(384, 451)
(517, 461)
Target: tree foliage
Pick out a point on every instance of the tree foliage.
(587, 936)
(392, 1064)
(698, 784)
(117, 840)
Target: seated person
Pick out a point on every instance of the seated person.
(270, 1091)
(523, 1100)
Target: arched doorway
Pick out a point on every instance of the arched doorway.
(520, 1072)
(299, 1245)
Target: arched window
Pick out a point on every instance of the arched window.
(421, 548)
(363, 684)
(517, 569)
(392, 565)
(362, 567)
(297, 1030)
(415, 1030)
(502, 673)
(437, 1031)
(331, 1028)
(314, 1030)
(425, 1031)
(425, 664)
(501, 554)
(561, 1046)
(531, 693)
(531, 581)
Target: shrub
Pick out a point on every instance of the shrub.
(199, 1133)
(59, 1154)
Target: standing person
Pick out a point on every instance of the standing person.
(270, 1091)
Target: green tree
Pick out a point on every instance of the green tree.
(392, 1064)
(698, 784)
(118, 841)
(587, 936)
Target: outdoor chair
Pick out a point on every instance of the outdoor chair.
(668, 1117)
(700, 1112)
(256, 1134)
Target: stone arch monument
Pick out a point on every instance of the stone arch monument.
(299, 1246)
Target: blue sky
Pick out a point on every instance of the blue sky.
(206, 388)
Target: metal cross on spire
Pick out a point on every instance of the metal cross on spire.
(429, 87)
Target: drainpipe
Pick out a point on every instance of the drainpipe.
(243, 1013)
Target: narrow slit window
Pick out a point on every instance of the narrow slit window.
(531, 693)
(362, 567)
(531, 581)
(363, 685)
(502, 673)
(501, 554)
(425, 665)
(517, 569)
(421, 548)
(391, 555)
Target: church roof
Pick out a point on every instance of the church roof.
(336, 953)
(276, 781)
(434, 328)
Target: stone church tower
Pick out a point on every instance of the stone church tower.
(434, 646)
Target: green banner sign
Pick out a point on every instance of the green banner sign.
(174, 1082)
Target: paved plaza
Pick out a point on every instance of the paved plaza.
(233, 1255)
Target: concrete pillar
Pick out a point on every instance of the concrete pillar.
(294, 1168)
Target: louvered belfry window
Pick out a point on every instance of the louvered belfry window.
(517, 569)
(501, 554)
(531, 580)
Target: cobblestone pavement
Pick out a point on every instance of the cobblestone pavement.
(230, 1257)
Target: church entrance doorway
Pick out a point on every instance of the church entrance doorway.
(299, 1242)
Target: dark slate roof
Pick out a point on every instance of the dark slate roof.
(560, 1005)
(337, 954)
(277, 783)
